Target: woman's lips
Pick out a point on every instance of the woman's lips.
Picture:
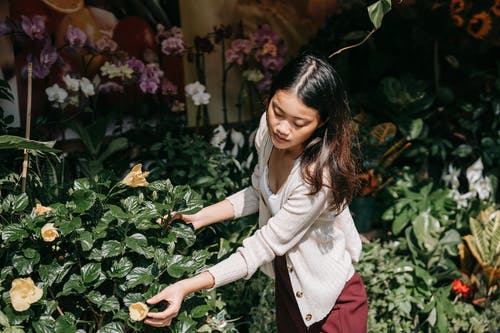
(280, 138)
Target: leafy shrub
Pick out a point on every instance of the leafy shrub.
(403, 297)
(105, 253)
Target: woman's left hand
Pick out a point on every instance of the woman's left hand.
(173, 295)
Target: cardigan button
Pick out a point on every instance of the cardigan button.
(299, 294)
(308, 317)
(290, 268)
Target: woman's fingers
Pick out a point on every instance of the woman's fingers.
(170, 217)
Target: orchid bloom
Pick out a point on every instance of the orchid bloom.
(56, 94)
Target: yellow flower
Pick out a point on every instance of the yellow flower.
(138, 311)
(456, 6)
(479, 25)
(23, 293)
(496, 8)
(49, 232)
(457, 20)
(41, 210)
(269, 48)
(136, 177)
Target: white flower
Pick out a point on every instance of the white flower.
(219, 137)
(201, 98)
(238, 141)
(56, 93)
(253, 75)
(194, 88)
(248, 161)
(87, 87)
(483, 188)
(71, 84)
(451, 179)
(462, 200)
(474, 172)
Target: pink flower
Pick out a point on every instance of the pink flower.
(168, 88)
(34, 28)
(136, 64)
(75, 37)
(272, 63)
(173, 46)
(243, 45)
(233, 56)
(105, 43)
(149, 81)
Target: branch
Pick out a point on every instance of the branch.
(355, 45)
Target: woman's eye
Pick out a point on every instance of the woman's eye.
(299, 125)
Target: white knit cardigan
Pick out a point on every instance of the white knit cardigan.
(320, 245)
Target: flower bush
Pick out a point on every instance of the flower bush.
(89, 263)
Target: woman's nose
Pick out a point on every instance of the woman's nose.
(283, 128)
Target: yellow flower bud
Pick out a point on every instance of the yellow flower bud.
(23, 293)
(136, 177)
(41, 210)
(138, 311)
(49, 232)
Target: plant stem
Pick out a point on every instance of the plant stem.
(28, 126)
(59, 310)
(355, 45)
(224, 81)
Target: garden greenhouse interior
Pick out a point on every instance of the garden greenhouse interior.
(121, 122)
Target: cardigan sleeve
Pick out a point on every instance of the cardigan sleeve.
(246, 201)
(353, 241)
(282, 232)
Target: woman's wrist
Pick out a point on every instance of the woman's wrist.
(204, 280)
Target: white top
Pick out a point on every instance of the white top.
(319, 245)
(273, 199)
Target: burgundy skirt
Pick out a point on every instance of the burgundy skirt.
(349, 314)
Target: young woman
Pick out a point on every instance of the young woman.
(301, 186)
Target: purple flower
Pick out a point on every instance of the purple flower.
(264, 35)
(111, 86)
(149, 81)
(136, 64)
(234, 56)
(34, 28)
(75, 37)
(242, 45)
(173, 46)
(42, 64)
(272, 63)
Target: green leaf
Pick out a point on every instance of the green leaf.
(200, 311)
(111, 248)
(450, 242)
(377, 10)
(117, 212)
(139, 275)
(462, 150)
(74, 283)
(23, 265)
(110, 304)
(13, 233)
(65, 324)
(54, 272)
(44, 325)
(121, 268)
(17, 142)
(114, 146)
(178, 265)
(113, 327)
(415, 128)
(132, 205)
(161, 258)
(137, 243)
(67, 227)
(83, 199)
(90, 272)
(86, 240)
(399, 223)
(423, 227)
(4, 320)
(185, 232)
(184, 324)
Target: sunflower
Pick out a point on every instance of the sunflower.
(457, 20)
(479, 25)
(456, 6)
(496, 8)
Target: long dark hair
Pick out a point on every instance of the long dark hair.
(328, 158)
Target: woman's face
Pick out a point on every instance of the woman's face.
(290, 122)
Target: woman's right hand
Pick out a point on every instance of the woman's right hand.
(194, 219)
